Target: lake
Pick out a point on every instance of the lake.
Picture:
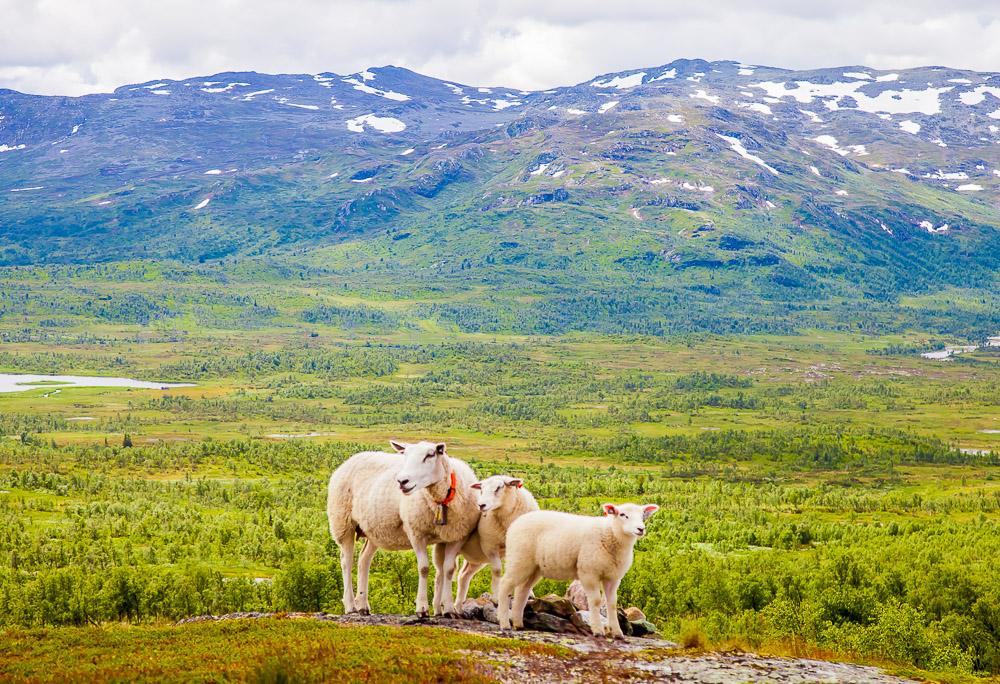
(12, 382)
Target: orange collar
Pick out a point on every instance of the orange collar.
(451, 492)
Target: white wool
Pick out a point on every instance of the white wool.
(503, 500)
(366, 499)
(598, 551)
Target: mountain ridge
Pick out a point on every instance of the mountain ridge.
(722, 179)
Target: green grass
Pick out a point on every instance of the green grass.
(270, 650)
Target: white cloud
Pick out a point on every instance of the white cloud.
(78, 46)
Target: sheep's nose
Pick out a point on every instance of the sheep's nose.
(482, 507)
(641, 530)
(403, 483)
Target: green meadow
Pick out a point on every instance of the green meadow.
(825, 492)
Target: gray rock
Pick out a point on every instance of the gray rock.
(577, 595)
(642, 627)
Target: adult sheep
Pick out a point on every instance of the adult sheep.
(502, 500)
(398, 503)
(597, 551)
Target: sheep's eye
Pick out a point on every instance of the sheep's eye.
(622, 514)
(428, 457)
(498, 489)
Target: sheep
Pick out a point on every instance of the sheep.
(397, 504)
(596, 550)
(502, 499)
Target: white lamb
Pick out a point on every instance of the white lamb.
(562, 546)
(502, 500)
(397, 503)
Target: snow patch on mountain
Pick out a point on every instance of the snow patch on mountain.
(910, 126)
(383, 124)
(831, 142)
(755, 106)
(607, 106)
(11, 148)
(387, 94)
(702, 95)
(249, 96)
(621, 82)
(969, 187)
(888, 101)
(738, 148)
(669, 73)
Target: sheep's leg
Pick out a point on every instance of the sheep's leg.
(611, 597)
(346, 567)
(364, 563)
(521, 595)
(451, 552)
(496, 568)
(593, 591)
(423, 569)
(503, 600)
(465, 575)
(438, 561)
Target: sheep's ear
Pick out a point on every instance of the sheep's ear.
(398, 446)
(610, 509)
(515, 482)
(648, 510)
(439, 449)
(476, 485)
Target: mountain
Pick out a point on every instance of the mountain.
(708, 188)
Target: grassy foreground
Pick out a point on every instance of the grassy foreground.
(269, 650)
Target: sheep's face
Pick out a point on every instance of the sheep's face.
(424, 463)
(495, 491)
(630, 519)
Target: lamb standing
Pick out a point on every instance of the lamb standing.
(596, 550)
(502, 500)
(396, 503)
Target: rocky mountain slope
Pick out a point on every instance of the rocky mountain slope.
(721, 178)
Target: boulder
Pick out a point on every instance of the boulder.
(577, 596)
(554, 605)
(490, 613)
(642, 628)
(546, 622)
(624, 623)
(634, 614)
(471, 610)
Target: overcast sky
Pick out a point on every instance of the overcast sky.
(73, 47)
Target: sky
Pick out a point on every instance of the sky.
(73, 47)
